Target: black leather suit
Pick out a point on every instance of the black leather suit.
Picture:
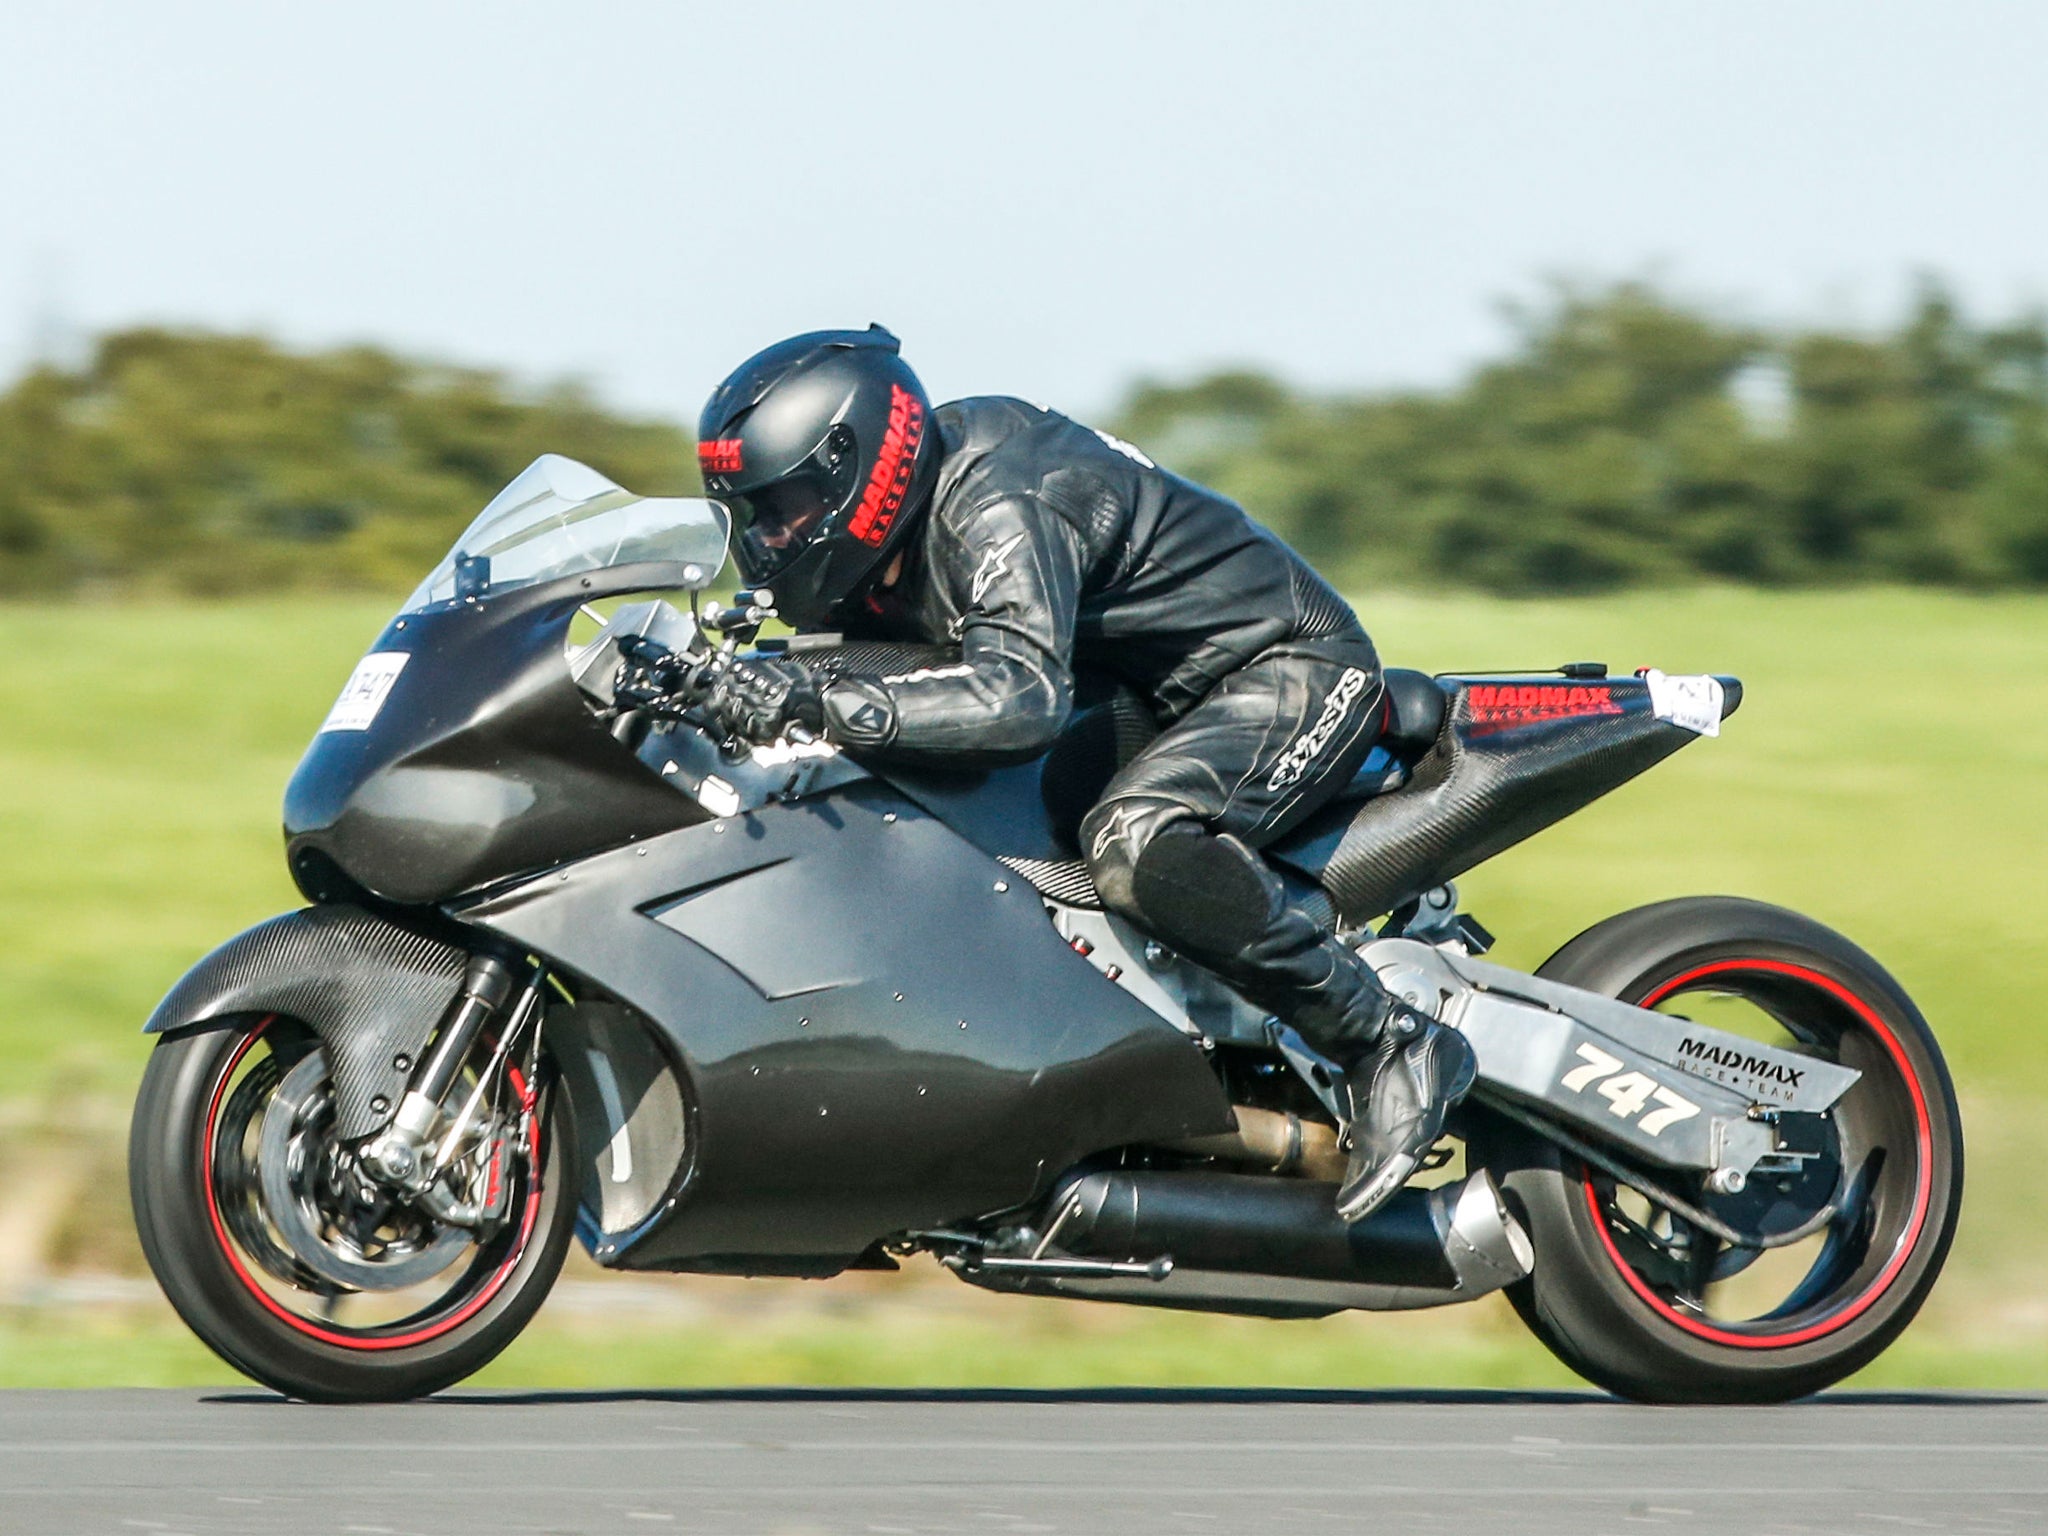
(1048, 547)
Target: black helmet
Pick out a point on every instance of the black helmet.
(822, 446)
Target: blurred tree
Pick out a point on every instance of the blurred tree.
(211, 464)
(1624, 438)
(1627, 439)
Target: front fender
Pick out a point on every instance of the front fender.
(371, 990)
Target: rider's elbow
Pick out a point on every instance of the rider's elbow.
(1030, 719)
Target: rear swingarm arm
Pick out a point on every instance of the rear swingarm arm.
(1670, 1091)
(1678, 1205)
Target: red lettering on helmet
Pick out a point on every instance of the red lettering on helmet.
(889, 481)
(720, 457)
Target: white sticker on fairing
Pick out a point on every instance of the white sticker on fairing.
(1693, 702)
(367, 689)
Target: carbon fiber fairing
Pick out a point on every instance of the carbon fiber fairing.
(1514, 755)
(834, 656)
(1064, 880)
(371, 990)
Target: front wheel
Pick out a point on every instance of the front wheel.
(293, 1268)
(1645, 1304)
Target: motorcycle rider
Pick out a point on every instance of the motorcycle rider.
(1033, 543)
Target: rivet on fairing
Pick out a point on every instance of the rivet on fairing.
(963, 1023)
(1002, 885)
(888, 816)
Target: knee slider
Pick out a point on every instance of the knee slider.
(1113, 836)
(1207, 895)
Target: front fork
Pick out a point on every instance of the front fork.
(427, 1139)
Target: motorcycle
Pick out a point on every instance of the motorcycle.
(573, 966)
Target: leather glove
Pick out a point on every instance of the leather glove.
(758, 699)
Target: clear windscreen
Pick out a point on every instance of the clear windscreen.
(561, 518)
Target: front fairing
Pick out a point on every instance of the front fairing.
(462, 750)
(481, 758)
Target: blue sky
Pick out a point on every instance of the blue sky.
(1048, 200)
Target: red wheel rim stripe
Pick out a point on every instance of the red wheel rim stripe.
(326, 1335)
(1924, 1143)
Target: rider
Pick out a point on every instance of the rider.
(1034, 543)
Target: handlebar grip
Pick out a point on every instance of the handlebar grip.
(642, 649)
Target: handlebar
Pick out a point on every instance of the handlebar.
(676, 683)
(651, 676)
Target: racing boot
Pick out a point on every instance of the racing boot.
(1400, 1089)
(1215, 900)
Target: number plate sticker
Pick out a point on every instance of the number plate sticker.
(1628, 1092)
(1692, 702)
(367, 689)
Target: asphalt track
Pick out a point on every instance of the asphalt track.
(1125, 1463)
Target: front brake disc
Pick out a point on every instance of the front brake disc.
(297, 1129)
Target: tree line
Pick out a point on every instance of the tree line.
(1624, 438)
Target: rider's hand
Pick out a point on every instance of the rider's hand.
(760, 698)
(651, 676)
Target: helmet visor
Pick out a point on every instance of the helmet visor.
(781, 520)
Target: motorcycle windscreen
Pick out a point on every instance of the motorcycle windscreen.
(561, 518)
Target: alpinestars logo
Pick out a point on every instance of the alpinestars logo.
(1118, 826)
(993, 564)
(889, 481)
(1308, 746)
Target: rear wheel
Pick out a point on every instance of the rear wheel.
(291, 1265)
(1645, 1304)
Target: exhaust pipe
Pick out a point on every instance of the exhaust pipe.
(1276, 1142)
(1273, 1247)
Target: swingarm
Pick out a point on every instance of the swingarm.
(1667, 1090)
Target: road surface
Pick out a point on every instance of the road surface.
(1124, 1463)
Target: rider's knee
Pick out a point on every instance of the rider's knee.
(1154, 864)
(1114, 837)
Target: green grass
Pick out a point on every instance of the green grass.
(1888, 773)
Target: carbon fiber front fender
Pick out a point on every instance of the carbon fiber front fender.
(371, 990)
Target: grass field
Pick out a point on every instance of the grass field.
(1886, 774)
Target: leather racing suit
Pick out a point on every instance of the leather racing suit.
(1048, 546)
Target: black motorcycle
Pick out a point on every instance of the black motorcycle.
(574, 964)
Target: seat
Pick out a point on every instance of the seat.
(1416, 704)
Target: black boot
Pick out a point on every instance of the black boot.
(1400, 1089)
(1402, 1071)
(1216, 901)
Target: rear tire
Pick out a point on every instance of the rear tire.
(258, 1327)
(1603, 1314)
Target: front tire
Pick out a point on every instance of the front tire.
(215, 1250)
(1610, 1295)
